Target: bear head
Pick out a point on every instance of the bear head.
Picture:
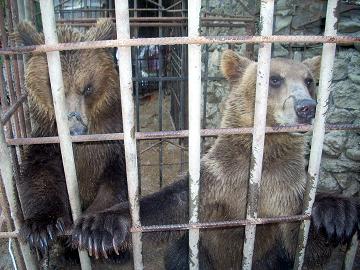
(90, 78)
(291, 93)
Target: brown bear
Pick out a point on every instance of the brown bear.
(93, 105)
(224, 183)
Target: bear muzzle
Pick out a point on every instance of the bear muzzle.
(76, 124)
(305, 110)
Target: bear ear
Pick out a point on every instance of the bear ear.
(27, 34)
(314, 65)
(103, 30)
(233, 65)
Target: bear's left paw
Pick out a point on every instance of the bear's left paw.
(337, 216)
(102, 233)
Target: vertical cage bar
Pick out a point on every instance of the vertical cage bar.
(126, 87)
(18, 72)
(4, 104)
(262, 85)
(182, 84)
(57, 89)
(7, 175)
(161, 97)
(351, 253)
(9, 80)
(326, 71)
(137, 88)
(194, 69)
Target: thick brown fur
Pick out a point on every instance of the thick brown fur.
(100, 166)
(224, 182)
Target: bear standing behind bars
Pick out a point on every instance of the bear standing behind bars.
(93, 107)
(224, 184)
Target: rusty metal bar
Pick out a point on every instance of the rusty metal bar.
(168, 24)
(13, 19)
(177, 40)
(7, 65)
(326, 71)
(126, 87)
(262, 86)
(205, 225)
(57, 89)
(174, 134)
(158, 19)
(7, 115)
(194, 90)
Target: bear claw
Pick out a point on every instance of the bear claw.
(40, 234)
(101, 234)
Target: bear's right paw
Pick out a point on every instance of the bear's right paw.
(102, 233)
(41, 232)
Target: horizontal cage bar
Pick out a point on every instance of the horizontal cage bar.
(177, 41)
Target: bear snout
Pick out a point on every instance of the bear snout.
(305, 109)
(76, 124)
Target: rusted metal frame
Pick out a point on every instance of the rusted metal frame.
(326, 71)
(177, 41)
(137, 93)
(182, 85)
(7, 115)
(157, 19)
(9, 80)
(205, 80)
(21, 62)
(161, 97)
(111, 9)
(175, 134)
(126, 87)
(58, 95)
(13, 19)
(165, 24)
(162, 141)
(178, 3)
(205, 225)
(262, 86)
(7, 174)
(29, 13)
(194, 87)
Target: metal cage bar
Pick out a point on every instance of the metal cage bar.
(194, 69)
(7, 175)
(262, 86)
(57, 89)
(200, 40)
(326, 71)
(126, 87)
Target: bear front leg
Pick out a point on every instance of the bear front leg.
(43, 197)
(108, 231)
(337, 216)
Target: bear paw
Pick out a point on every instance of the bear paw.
(338, 217)
(41, 232)
(102, 234)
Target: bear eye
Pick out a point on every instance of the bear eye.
(88, 90)
(308, 82)
(275, 81)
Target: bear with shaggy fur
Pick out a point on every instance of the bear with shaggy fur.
(224, 183)
(93, 105)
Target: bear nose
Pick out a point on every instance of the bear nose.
(305, 108)
(76, 124)
(78, 130)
